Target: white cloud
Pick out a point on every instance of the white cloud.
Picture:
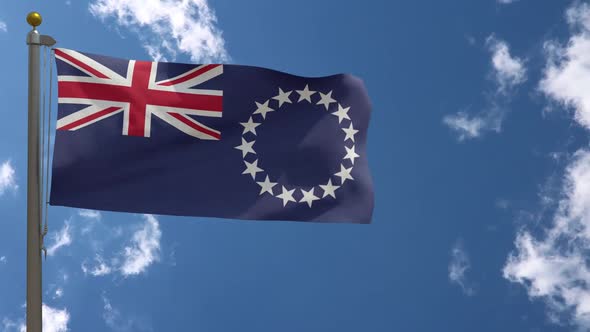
(467, 127)
(64, 275)
(3, 27)
(101, 268)
(3, 259)
(141, 251)
(91, 218)
(509, 71)
(90, 214)
(567, 74)
(7, 174)
(554, 266)
(54, 320)
(61, 239)
(144, 248)
(9, 325)
(505, 2)
(188, 26)
(458, 266)
(59, 292)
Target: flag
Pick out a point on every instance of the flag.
(213, 140)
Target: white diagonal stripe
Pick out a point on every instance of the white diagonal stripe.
(204, 77)
(186, 111)
(90, 62)
(66, 120)
(182, 126)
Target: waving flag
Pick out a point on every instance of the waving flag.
(222, 141)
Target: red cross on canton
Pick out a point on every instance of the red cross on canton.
(139, 96)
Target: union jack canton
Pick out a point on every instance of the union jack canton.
(149, 137)
(139, 96)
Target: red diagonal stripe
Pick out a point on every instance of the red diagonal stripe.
(89, 118)
(191, 75)
(80, 64)
(152, 97)
(195, 126)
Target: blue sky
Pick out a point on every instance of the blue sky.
(477, 146)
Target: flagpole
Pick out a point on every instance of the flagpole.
(34, 295)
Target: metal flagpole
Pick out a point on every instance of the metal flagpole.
(34, 298)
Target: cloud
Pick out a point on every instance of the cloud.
(509, 71)
(187, 26)
(3, 259)
(7, 175)
(100, 269)
(90, 214)
(458, 266)
(3, 27)
(141, 251)
(112, 316)
(59, 292)
(54, 320)
(91, 218)
(465, 126)
(116, 322)
(63, 275)
(468, 127)
(9, 325)
(554, 266)
(144, 248)
(61, 239)
(505, 2)
(567, 74)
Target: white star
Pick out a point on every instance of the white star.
(344, 174)
(308, 197)
(329, 189)
(250, 126)
(342, 113)
(350, 131)
(286, 196)
(252, 168)
(350, 154)
(262, 109)
(326, 99)
(266, 186)
(305, 94)
(283, 97)
(246, 147)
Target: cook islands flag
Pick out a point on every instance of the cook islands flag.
(211, 140)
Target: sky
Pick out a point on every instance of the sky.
(477, 146)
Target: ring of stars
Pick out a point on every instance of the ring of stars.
(325, 190)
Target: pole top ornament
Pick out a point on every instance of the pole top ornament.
(34, 19)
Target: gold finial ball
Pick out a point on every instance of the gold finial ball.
(34, 19)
